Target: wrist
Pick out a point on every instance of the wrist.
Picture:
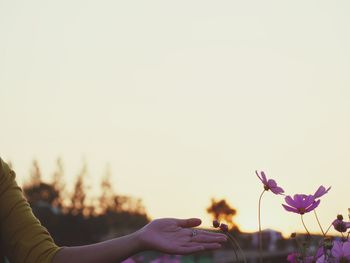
(137, 238)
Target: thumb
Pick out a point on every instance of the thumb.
(191, 222)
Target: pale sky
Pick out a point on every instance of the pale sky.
(184, 100)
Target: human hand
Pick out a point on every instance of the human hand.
(176, 236)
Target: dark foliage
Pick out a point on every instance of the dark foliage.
(72, 219)
(220, 210)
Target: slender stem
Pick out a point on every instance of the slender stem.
(302, 220)
(319, 224)
(260, 234)
(233, 246)
(328, 229)
(239, 247)
(298, 245)
(308, 240)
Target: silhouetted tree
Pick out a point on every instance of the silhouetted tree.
(37, 191)
(74, 220)
(35, 174)
(122, 212)
(106, 199)
(78, 197)
(222, 211)
(58, 184)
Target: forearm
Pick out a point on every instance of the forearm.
(111, 251)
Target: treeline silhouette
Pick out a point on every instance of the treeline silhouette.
(72, 218)
(221, 210)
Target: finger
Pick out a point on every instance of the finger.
(211, 234)
(191, 222)
(208, 239)
(197, 234)
(188, 250)
(206, 246)
(212, 246)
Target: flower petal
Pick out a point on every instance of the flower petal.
(320, 252)
(309, 200)
(293, 257)
(277, 190)
(271, 183)
(337, 250)
(290, 209)
(346, 249)
(289, 200)
(321, 191)
(299, 200)
(263, 177)
(321, 259)
(257, 174)
(313, 206)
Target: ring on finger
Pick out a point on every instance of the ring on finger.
(194, 233)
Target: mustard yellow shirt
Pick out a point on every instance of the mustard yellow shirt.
(23, 239)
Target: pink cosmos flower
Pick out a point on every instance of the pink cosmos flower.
(340, 252)
(269, 184)
(321, 191)
(167, 259)
(297, 257)
(293, 257)
(301, 203)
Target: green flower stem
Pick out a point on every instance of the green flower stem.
(328, 229)
(298, 245)
(302, 220)
(319, 224)
(238, 246)
(308, 240)
(260, 234)
(234, 249)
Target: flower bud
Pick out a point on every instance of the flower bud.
(216, 223)
(339, 225)
(224, 227)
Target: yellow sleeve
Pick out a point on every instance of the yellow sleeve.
(24, 239)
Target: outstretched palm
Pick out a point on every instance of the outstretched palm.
(175, 236)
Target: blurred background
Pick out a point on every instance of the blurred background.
(160, 106)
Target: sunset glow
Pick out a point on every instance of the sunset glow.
(183, 100)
